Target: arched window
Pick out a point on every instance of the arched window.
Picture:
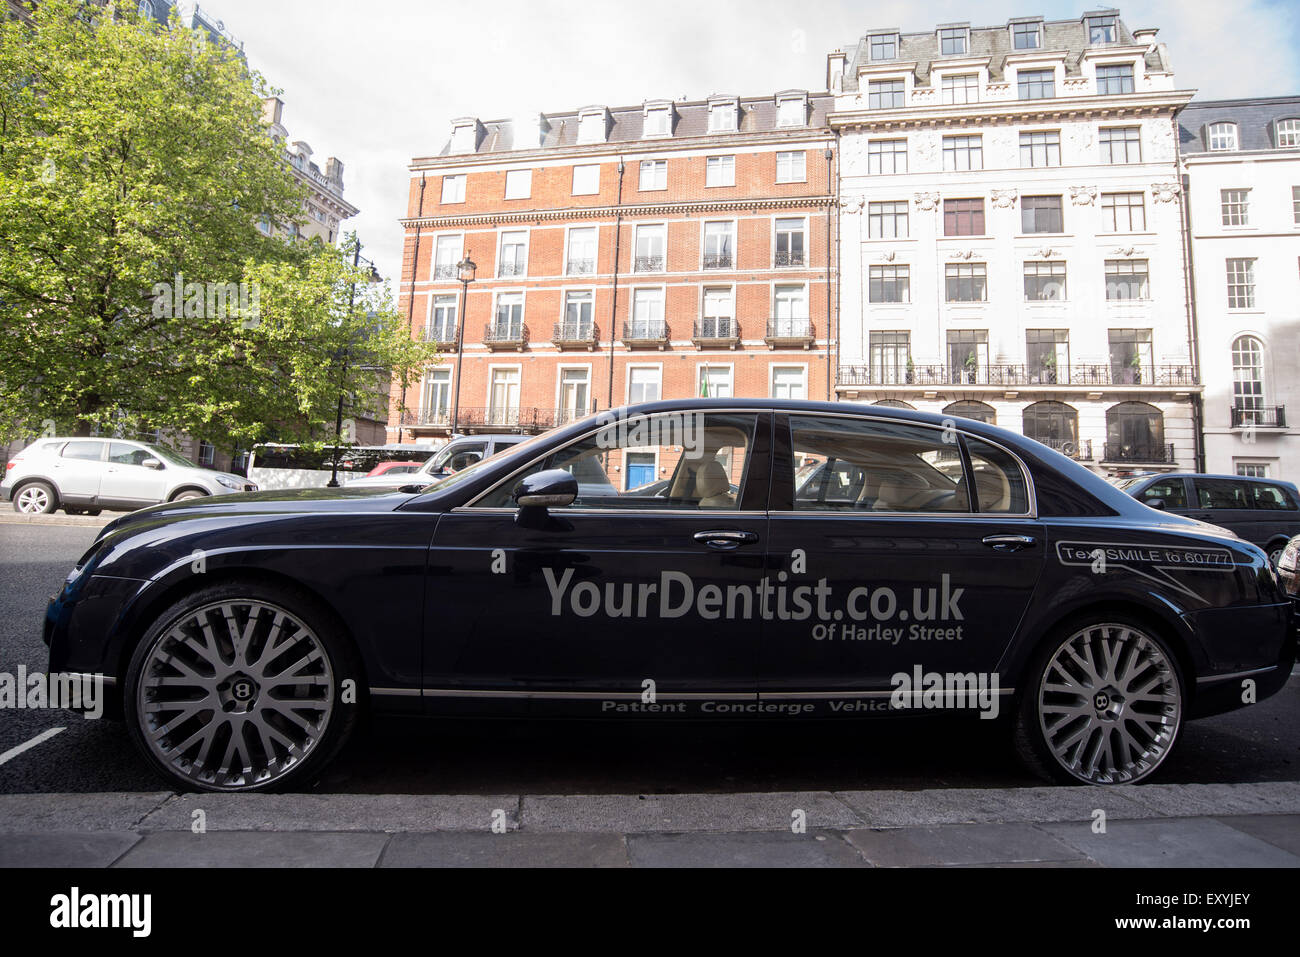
(1135, 432)
(973, 410)
(894, 404)
(1221, 136)
(1055, 424)
(1247, 373)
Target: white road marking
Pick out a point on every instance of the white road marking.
(28, 745)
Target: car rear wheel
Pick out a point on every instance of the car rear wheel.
(36, 498)
(1275, 553)
(1104, 704)
(240, 688)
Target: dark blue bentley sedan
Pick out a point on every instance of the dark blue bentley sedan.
(794, 560)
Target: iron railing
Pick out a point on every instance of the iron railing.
(1078, 449)
(717, 261)
(512, 269)
(648, 264)
(1268, 417)
(789, 259)
(446, 271)
(717, 329)
(1004, 374)
(505, 335)
(1125, 452)
(575, 332)
(645, 330)
(442, 335)
(581, 267)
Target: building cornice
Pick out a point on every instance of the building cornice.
(608, 212)
(1014, 111)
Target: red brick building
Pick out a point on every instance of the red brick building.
(658, 251)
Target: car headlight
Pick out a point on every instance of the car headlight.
(230, 483)
(1290, 560)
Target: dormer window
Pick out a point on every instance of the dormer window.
(464, 135)
(885, 94)
(1027, 36)
(1103, 29)
(1115, 79)
(792, 110)
(954, 41)
(1288, 133)
(884, 46)
(722, 116)
(1221, 136)
(591, 126)
(658, 120)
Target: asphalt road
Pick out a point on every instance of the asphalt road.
(650, 756)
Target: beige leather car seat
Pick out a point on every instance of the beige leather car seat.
(712, 486)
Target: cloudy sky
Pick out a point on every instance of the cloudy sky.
(378, 83)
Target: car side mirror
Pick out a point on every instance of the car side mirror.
(1156, 503)
(152, 463)
(551, 488)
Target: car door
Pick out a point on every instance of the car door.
(898, 567)
(1226, 503)
(618, 594)
(1170, 490)
(79, 469)
(127, 481)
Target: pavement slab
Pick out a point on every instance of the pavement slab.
(256, 849)
(512, 849)
(989, 805)
(633, 813)
(65, 848)
(337, 812)
(743, 849)
(961, 844)
(1182, 842)
(119, 811)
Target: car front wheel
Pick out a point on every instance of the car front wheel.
(1104, 704)
(35, 498)
(240, 688)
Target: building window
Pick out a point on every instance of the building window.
(1127, 279)
(658, 122)
(578, 306)
(1221, 136)
(1024, 36)
(1121, 144)
(648, 314)
(791, 167)
(207, 453)
(1124, 212)
(715, 382)
(442, 323)
(1295, 204)
(509, 320)
(719, 245)
(885, 94)
(503, 397)
(586, 180)
(790, 242)
(574, 389)
(962, 88)
(961, 153)
(963, 217)
(1114, 79)
(1102, 29)
(889, 353)
(581, 251)
(1040, 148)
(722, 117)
(1252, 469)
(718, 314)
(591, 128)
(437, 396)
(790, 305)
(1047, 355)
(968, 409)
(887, 220)
(650, 244)
(887, 156)
(446, 254)
(884, 46)
(966, 282)
(644, 384)
(789, 382)
(720, 171)
(453, 189)
(1041, 214)
(519, 183)
(1036, 84)
(1288, 133)
(952, 41)
(1247, 373)
(791, 111)
(514, 254)
(968, 354)
(1135, 432)
(1130, 356)
(654, 174)
(1055, 424)
(890, 284)
(1241, 284)
(1044, 281)
(1235, 206)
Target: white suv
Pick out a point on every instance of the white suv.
(88, 475)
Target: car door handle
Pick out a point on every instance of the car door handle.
(1008, 543)
(726, 538)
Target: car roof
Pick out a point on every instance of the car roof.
(1218, 475)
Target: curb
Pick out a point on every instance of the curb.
(53, 518)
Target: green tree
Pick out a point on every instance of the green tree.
(134, 172)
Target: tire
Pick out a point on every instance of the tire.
(1113, 713)
(193, 691)
(186, 495)
(73, 510)
(1275, 553)
(35, 498)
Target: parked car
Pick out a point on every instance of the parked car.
(1288, 572)
(85, 476)
(972, 572)
(394, 468)
(1265, 512)
(457, 454)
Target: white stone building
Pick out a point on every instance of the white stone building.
(1011, 237)
(1242, 164)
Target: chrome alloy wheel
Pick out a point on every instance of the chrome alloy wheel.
(235, 694)
(1109, 704)
(33, 499)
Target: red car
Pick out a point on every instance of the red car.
(394, 468)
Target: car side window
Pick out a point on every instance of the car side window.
(124, 454)
(89, 451)
(1272, 497)
(1220, 493)
(1171, 491)
(686, 460)
(847, 464)
(462, 456)
(999, 480)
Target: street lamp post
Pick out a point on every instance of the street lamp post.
(338, 412)
(465, 269)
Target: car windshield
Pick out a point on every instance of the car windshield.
(167, 455)
(471, 470)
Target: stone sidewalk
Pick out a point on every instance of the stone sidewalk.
(1238, 825)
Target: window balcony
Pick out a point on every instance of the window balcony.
(716, 332)
(471, 419)
(442, 335)
(1152, 454)
(1267, 417)
(505, 336)
(581, 267)
(1078, 449)
(445, 271)
(795, 258)
(924, 373)
(648, 264)
(718, 261)
(577, 334)
(645, 334)
(789, 332)
(507, 269)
